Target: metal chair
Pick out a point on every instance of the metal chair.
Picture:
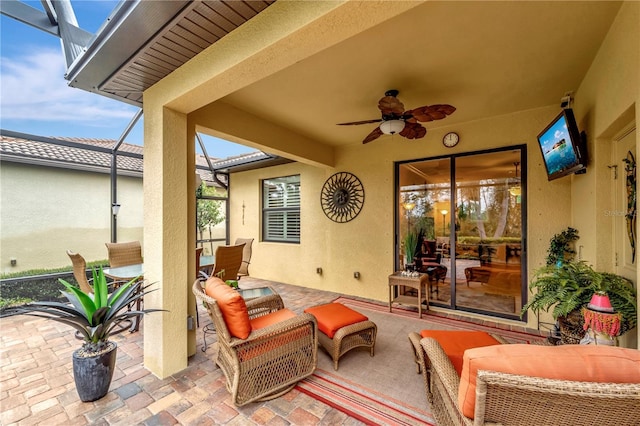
(123, 254)
(246, 256)
(228, 262)
(80, 271)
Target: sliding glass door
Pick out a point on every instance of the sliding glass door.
(461, 220)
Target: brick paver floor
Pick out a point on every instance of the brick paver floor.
(36, 381)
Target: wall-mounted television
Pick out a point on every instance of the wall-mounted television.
(563, 147)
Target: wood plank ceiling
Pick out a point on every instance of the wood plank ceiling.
(193, 30)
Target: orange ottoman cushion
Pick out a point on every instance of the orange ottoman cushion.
(232, 306)
(454, 343)
(584, 363)
(332, 317)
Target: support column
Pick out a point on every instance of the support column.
(168, 180)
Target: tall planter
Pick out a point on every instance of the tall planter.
(93, 373)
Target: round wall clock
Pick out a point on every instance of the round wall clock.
(451, 139)
(342, 197)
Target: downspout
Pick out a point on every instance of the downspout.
(114, 177)
(222, 184)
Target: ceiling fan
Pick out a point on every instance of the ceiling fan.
(396, 120)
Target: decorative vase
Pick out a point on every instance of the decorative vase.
(601, 322)
(93, 373)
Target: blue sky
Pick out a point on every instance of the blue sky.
(35, 98)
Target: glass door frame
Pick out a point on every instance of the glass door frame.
(522, 148)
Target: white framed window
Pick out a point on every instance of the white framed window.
(281, 209)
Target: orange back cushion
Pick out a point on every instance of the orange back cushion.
(585, 363)
(454, 343)
(332, 317)
(232, 306)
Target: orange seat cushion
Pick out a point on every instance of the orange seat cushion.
(232, 306)
(271, 318)
(454, 343)
(584, 363)
(332, 317)
(259, 347)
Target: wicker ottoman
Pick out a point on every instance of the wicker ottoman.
(343, 329)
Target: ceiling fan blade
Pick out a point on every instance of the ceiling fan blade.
(375, 134)
(413, 131)
(355, 123)
(431, 112)
(390, 105)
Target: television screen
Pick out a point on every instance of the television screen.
(561, 146)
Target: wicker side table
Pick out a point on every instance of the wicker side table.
(419, 283)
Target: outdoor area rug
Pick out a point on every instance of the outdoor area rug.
(386, 389)
(366, 405)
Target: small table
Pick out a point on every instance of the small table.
(397, 279)
(127, 272)
(207, 262)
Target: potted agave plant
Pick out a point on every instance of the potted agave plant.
(95, 317)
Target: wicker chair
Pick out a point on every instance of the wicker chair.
(510, 399)
(271, 360)
(246, 256)
(80, 271)
(123, 254)
(228, 262)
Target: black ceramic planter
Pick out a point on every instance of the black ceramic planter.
(93, 374)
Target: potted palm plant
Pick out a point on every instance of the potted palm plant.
(96, 317)
(569, 287)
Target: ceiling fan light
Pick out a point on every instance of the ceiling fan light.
(391, 127)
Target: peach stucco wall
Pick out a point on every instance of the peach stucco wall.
(79, 203)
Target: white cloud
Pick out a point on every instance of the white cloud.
(32, 87)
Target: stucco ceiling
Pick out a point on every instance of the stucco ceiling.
(484, 58)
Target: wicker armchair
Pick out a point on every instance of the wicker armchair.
(510, 399)
(271, 360)
(123, 254)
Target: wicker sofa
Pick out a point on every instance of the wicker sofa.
(523, 399)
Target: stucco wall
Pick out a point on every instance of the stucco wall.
(45, 211)
(366, 244)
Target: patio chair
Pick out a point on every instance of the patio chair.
(123, 254)
(80, 271)
(246, 256)
(228, 262)
(264, 349)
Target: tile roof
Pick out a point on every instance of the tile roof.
(94, 154)
(72, 153)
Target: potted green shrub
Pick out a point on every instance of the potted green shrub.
(95, 317)
(410, 245)
(561, 247)
(569, 287)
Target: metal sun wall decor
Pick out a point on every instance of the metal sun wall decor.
(342, 197)
(630, 168)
